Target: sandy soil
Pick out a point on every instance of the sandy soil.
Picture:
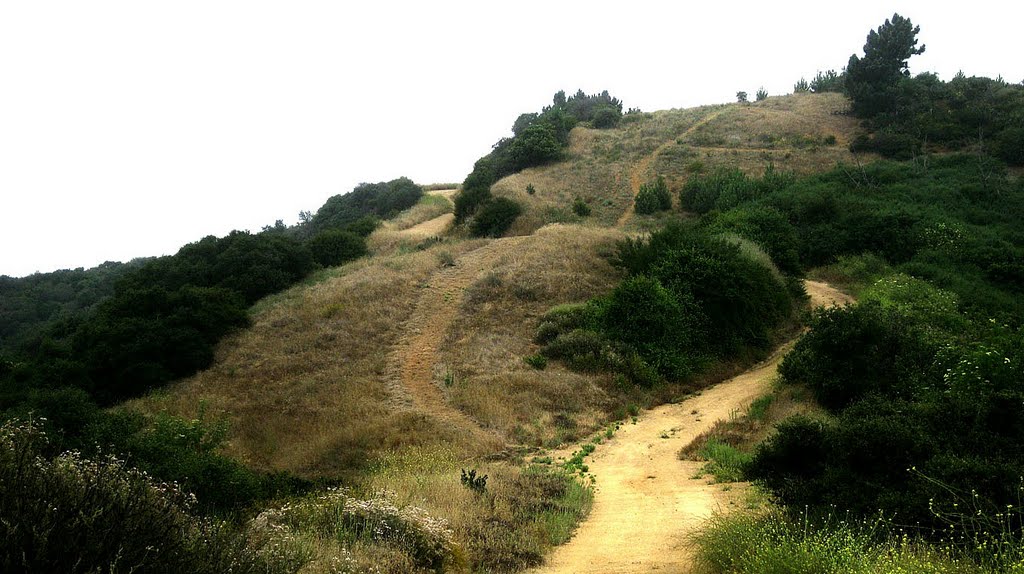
(646, 501)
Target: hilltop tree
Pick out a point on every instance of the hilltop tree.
(872, 81)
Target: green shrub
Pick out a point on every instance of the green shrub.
(653, 197)
(854, 351)
(334, 247)
(606, 117)
(495, 217)
(71, 514)
(580, 207)
(537, 361)
(530, 189)
(769, 228)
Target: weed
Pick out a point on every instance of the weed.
(470, 480)
(537, 361)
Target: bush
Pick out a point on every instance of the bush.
(769, 228)
(334, 247)
(495, 217)
(653, 197)
(606, 117)
(855, 351)
(580, 207)
(71, 514)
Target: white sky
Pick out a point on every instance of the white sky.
(130, 128)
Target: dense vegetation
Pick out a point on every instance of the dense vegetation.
(29, 304)
(921, 379)
(357, 210)
(690, 298)
(537, 138)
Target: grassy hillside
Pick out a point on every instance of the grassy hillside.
(605, 167)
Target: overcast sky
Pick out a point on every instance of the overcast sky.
(130, 128)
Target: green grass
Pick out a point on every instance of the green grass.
(725, 462)
(772, 543)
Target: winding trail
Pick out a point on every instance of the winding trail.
(639, 172)
(411, 366)
(646, 501)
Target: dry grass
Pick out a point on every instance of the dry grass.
(303, 388)
(789, 132)
(484, 352)
(415, 228)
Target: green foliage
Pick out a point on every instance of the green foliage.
(653, 197)
(767, 227)
(606, 117)
(741, 97)
(379, 200)
(580, 207)
(872, 81)
(689, 297)
(495, 217)
(761, 94)
(828, 81)
(537, 361)
(725, 462)
(29, 304)
(334, 247)
(530, 189)
(773, 542)
(801, 87)
(727, 188)
(71, 514)
(470, 480)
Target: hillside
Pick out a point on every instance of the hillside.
(572, 349)
(336, 381)
(322, 355)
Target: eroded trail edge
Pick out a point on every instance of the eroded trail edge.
(646, 501)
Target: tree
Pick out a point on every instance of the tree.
(741, 97)
(801, 87)
(871, 81)
(761, 94)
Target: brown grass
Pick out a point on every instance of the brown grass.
(788, 132)
(303, 388)
(484, 351)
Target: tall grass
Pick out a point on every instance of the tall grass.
(773, 543)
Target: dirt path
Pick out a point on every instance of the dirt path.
(411, 374)
(646, 502)
(639, 173)
(431, 227)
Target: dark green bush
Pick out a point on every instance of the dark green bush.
(606, 117)
(381, 200)
(857, 351)
(495, 217)
(653, 197)
(769, 228)
(580, 207)
(334, 247)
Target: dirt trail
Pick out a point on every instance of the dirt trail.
(639, 172)
(411, 372)
(431, 227)
(646, 502)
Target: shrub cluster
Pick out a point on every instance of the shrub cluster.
(653, 197)
(71, 514)
(690, 297)
(913, 383)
